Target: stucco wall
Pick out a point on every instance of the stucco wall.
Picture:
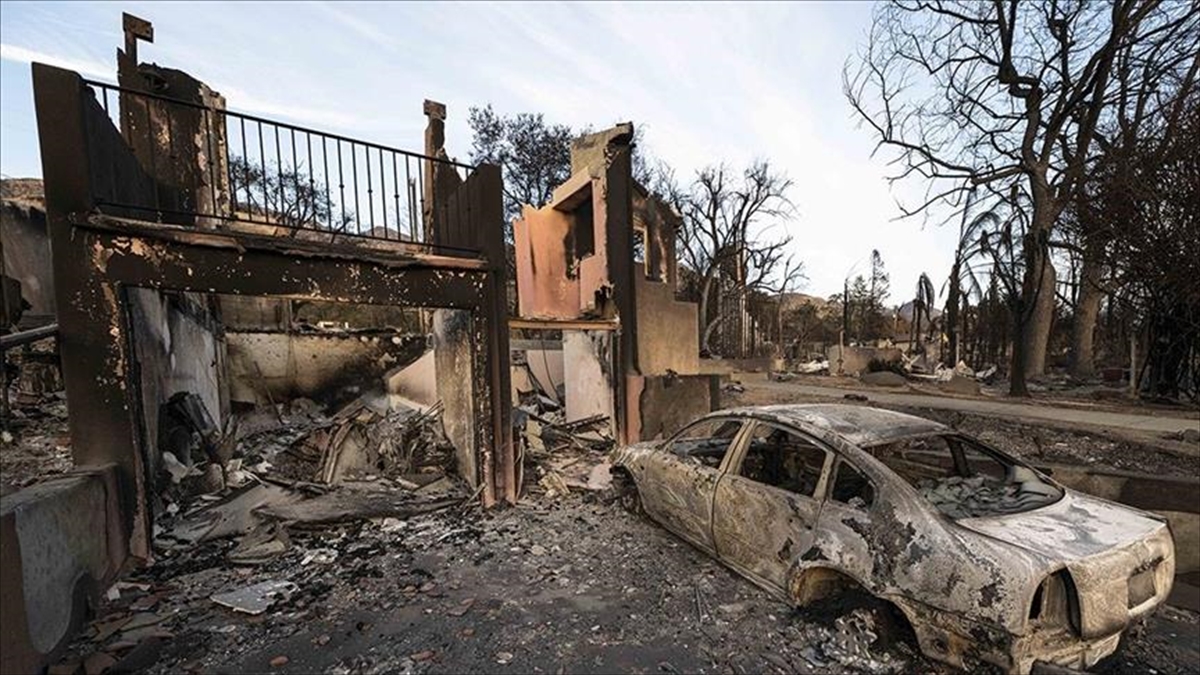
(855, 359)
(588, 373)
(667, 332)
(178, 348)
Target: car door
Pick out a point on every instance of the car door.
(680, 486)
(768, 502)
(846, 522)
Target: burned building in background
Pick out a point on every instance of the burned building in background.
(597, 265)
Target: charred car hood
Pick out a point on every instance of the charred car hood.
(1073, 528)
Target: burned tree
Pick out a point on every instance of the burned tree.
(922, 304)
(287, 196)
(1138, 173)
(963, 284)
(1142, 224)
(725, 218)
(1003, 93)
(534, 155)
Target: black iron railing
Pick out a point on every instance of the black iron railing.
(239, 167)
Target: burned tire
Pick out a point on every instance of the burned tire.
(625, 492)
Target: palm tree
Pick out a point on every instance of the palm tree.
(993, 242)
(963, 285)
(922, 304)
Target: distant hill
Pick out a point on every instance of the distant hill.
(905, 312)
(790, 301)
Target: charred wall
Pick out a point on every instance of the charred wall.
(177, 346)
(26, 246)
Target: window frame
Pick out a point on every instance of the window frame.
(842, 459)
(735, 443)
(735, 466)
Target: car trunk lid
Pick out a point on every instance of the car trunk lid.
(1073, 528)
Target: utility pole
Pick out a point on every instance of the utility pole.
(845, 325)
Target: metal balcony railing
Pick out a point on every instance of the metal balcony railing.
(248, 169)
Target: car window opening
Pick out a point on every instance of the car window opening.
(706, 441)
(782, 459)
(962, 479)
(852, 488)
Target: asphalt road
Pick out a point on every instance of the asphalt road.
(1147, 423)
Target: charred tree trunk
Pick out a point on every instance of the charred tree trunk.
(702, 311)
(1087, 310)
(1016, 379)
(1037, 290)
(951, 318)
(1041, 319)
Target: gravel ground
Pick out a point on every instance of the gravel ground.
(569, 586)
(550, 586)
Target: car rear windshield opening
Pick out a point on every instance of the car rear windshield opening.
(964, 480)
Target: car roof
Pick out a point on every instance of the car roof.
(857, 424)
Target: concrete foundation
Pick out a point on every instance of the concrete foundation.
(62, 542)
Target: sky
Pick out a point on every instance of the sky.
(709, 82)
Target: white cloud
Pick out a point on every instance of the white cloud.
(362, 28)
(239, 100)
(236, 98)
(85, 67)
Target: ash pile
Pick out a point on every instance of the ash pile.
(851, 644)
(979, 496)
(266, 517)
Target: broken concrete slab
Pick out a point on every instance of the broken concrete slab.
(257, 598)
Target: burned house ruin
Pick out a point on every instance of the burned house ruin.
(597, 263)
(206, 260)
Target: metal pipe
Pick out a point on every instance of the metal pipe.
(25, 337)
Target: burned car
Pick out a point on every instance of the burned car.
(988, 559)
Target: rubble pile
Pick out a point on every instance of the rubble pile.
(561, 455)
(978, 496)
(304, 469)
(566, 455)
(361, 440)
(562, 585)
(847, 646)
(34, 441)
(299, 444)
